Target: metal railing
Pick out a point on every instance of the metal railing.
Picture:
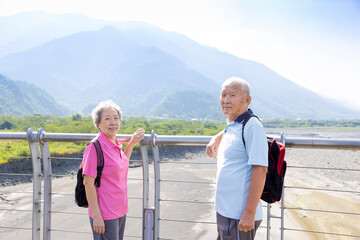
(42, 208)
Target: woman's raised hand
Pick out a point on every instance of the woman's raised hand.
(137, 136)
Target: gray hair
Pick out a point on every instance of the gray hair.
(97, 111)
(244, 85)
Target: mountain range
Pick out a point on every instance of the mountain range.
(146, 70)
(21, 98)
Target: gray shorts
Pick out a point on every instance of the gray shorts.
(228, 229)
(114, 229)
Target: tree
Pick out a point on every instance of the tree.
(6, 125)
(77, 117)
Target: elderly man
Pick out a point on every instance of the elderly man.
(241, 170)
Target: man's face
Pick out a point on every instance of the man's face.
(234, 101)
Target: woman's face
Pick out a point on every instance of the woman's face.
(109, 123)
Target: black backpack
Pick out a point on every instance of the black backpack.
(276, 168)
(80, 195)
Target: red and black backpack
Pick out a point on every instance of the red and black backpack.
(276, 167)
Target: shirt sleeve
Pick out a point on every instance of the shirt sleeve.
(90, 161)
(256, 143)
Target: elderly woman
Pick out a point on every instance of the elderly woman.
(108, 204)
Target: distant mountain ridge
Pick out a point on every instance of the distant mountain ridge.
(139, 76)
(21, 98)
(152, 72)
(28, 29)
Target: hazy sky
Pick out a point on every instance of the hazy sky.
(315, 43)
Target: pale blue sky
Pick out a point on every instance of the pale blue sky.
(315, 43)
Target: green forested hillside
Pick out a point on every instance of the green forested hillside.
(20, 98)
(83, 124)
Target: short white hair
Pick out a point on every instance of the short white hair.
(243, 85)
(96, 113)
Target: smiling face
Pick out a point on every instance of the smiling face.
(234, 101)
(109, 123)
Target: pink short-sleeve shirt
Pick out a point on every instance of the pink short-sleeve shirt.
(112, 193)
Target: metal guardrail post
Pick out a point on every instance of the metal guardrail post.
(269, 216)
(155, 150)
(268, 223)
(44, 146)
(283, 140)
(148, 218)
(282, 214)
(36, 163)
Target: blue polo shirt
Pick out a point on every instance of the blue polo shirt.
(234, 167)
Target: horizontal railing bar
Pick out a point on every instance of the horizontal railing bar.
(322, 143)
(322, 189)
(132, 236)
(184, 201)
(326, 233)
(185, 221)
(184, 162)
(83, 232)
(69, 137)
(76, 137)
(62, 194)
(77, 213)
(14, 136)
(60, 175)
(66, 158)
(74, 213)
(8, 192)
(69, 231)
(326, 211)
(20, 157)
(183, 181)
(18, 228)
(290, 141)
(135, 198)
(135, 217)
(135, 179)
(15, 210)
(80, 158)
(325, 168)
(72, 194)
(180, 140)
(65, 175)
(16, 174)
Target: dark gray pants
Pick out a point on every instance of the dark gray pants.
(228, 229)
(114, 229)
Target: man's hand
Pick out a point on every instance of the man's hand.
(247, 222)
(212, 147)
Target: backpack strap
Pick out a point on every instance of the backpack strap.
(100, 161)
(243, 126)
